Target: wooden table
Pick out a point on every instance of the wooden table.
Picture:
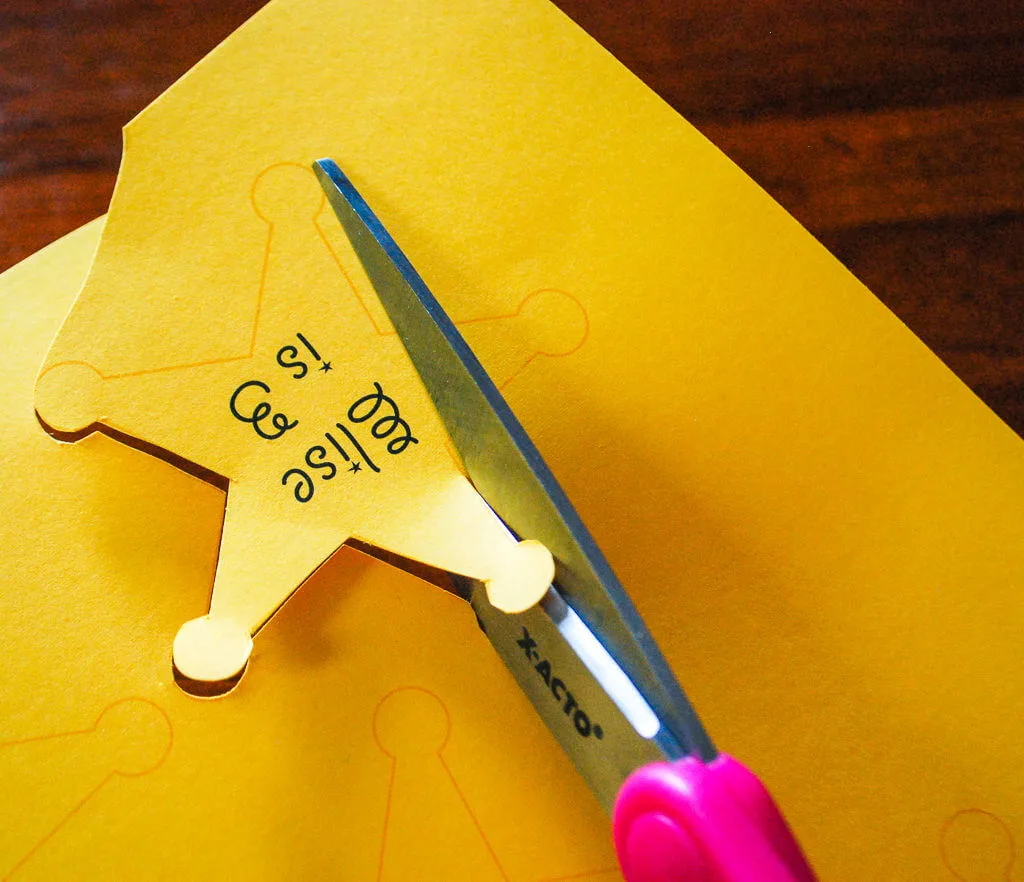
(892, 129)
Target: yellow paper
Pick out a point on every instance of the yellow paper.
(820, 524)
(378, 736)
(297, 395)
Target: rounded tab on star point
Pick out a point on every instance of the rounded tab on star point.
(210, 655)
(529, 571)
(287, 192)
(69, 396)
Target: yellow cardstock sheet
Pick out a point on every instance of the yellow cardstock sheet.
(820, 524)
(376, 736)
(298, 396)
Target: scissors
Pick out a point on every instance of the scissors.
(680, 810)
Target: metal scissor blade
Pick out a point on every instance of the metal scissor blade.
(550, 665)
(504, 464)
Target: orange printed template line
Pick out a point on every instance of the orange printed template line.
(473, 818)
(387, 820)
(264, 271)
(348, 279)
(48, 836)
(112, 774)
(19, 741)
(88, 730)
(362, 303)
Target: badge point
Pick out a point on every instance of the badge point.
(69, 396)
(525, 580)
(210, 655)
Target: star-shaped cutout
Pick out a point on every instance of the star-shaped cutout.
(423, 509)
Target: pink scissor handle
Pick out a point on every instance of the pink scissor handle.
(694, 822)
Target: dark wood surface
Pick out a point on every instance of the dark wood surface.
(892, 129)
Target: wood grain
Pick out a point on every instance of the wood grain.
(894, 131)
(887, 166)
